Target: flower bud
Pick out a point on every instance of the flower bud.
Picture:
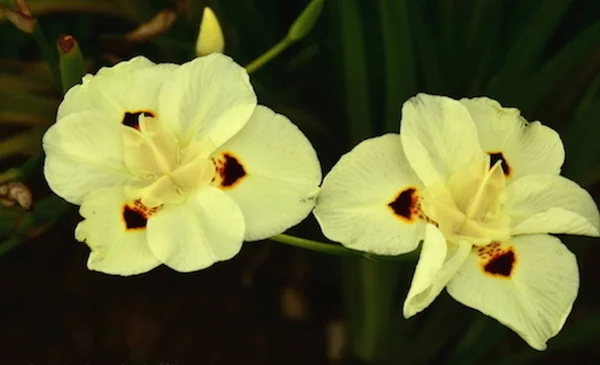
(210, 40)
(306, 20)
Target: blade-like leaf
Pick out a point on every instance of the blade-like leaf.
(527, 48)
(400, 73)
(354, 69)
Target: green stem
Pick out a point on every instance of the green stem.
(370, 294)
(367, 348)
(336, 249)
(269, 55)
(311, 245)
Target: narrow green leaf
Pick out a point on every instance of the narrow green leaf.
(482, 38)
(71, 63)
(449, 46)
(427, 52)
(581, 140)
(589, 98)
(9, 217)
(17, 106)
(488, 334)
(354, 69)
(400, 73)
(527, 48)
(28, 143)
(47, 53)
(550, 75)
(104, 7)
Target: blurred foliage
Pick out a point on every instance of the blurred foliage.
(344, 82)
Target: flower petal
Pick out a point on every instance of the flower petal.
(115, 231)
(271, 171)
(75, 99)
(439, 137)
(209, 97)
(438, 263)
(207, 228)
(370, 199)
(124, 67)
(84, 152)
(546, 203)
(122, 94)
(526, 148)
(129, 86)
(528, 284)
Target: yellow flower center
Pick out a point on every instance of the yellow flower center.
(165, 171)
(468, 206)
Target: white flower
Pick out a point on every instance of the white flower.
(176, 165)
(481, 187)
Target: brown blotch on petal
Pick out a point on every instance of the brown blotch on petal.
(136, 215)
(134, 219)
(406, 205)
(498, 156)
(230, 170)
(500, 263)
(132, 119)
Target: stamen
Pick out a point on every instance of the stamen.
(478, 197)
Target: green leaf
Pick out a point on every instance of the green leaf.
(305, 22)
(581, 140)
(589, 98)
(482, 38)
(527, 48)
(29, 142)
(483, 335)
(354, 69)
(427, 52)
(9, 217)
(553, 72)
(400, 73)
(104, 7)
(18, 107)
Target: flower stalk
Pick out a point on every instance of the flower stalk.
(299, 29)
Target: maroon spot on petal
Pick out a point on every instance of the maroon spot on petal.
(134, 218)
(406, 205)
(132, 119)
(498, 156)
(230, 170)
(501, 263)
(136, 215)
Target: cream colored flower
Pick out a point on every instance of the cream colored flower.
(481, 187)
(176, 165)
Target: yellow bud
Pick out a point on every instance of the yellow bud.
(210, 39)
